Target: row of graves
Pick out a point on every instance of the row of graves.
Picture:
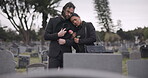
(22, 54)
(107, 65)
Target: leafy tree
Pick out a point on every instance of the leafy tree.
(45, 7)
(100, 35)
(138, 32)
(121, 33)
(13, 36)
(20, 15)
(34, 35)
(145, 33)
(111, 37)
(103, 12)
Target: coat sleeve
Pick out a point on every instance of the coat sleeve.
(49, 34)
(69, 42)
(91, 35)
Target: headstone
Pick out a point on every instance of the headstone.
(125, 54)
(23, 61)
(138, 68)
(34, 55)
(29, 49)
(124, 51)
(135, 55)
(107, 62)
(7, 63)
(144, 51)
(22, 49)
(36, 67)
(15, 51)
(44, 56)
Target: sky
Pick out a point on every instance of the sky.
(132, 13)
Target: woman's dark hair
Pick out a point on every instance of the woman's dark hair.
(68, 5)
(74, 14)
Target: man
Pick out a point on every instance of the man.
(57, 32)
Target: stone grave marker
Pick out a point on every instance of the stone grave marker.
(7, 63)
(138, 68)
(23, 61)
(107, 62)
(135, 55)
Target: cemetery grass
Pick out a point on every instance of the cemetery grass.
(124, 66)
(32, 61)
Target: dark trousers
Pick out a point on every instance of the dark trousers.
(56, 62)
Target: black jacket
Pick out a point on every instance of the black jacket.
(87, 36)
(51, 33)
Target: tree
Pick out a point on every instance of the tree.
(20, 15)
(45, 7)
(12, 35)
(121, 33)
(103, 12)
(145, 33)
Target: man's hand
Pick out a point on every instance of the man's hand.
(76, 40)
(62, 41)
(62, 32)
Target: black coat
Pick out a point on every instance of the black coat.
(87, 36)
(51, 33)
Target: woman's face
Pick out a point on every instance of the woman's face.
(75, 20)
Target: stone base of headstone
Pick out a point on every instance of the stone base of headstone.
(107, 62)
(138, 68)
(23, 61)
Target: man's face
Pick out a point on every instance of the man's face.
(68, 12)
(75, 20)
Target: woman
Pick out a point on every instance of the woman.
(85, 33)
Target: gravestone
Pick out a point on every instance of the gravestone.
(29, 49)
(144, 51)
(22, 49)
(23, 61)
(138, 68)
(34, 55)
(44, 56)
(36, 67)
(135, 55)
(125, 54)
(107, 62)
(124, 51)
(7, 63)
(15, 51)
